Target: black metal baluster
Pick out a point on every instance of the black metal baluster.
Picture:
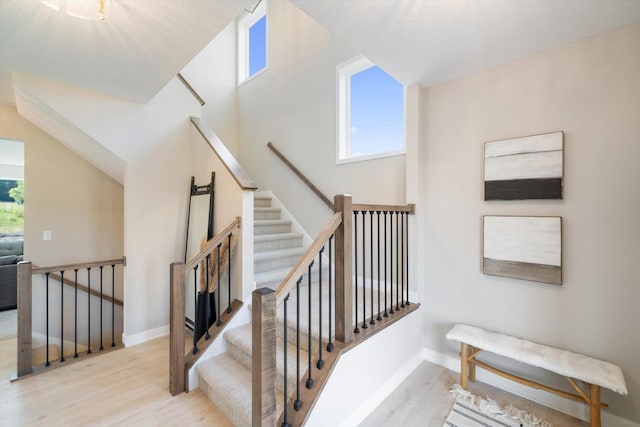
(320, 362)
(285, 421)
(406, 258)
(229, 277)
(195, 310)
(355, 258)
(391, 263)
(309, 382)
(47, 319)
(386, 313)
(113, 305)
(364, 274)
(62, 316)
(379, 318)
(207, 300)
(89, 310)
(218, 321)
(397, 262)
(372, 321)
(330, 343)
(402, 255)
(75, 316)
(298, 403)
(101, 346)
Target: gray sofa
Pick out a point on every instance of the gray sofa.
(11, 251)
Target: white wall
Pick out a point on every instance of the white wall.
(589, 89)
(212, 73)
(293, 105)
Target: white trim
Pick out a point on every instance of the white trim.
(376, 398)
(144, 336)
(558, 403)
(244, 22)
(344, 72)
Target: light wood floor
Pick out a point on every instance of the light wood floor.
(423, 400)
(125, 387)
(131, 387)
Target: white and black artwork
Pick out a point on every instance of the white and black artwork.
(524, 168)
(523, 247)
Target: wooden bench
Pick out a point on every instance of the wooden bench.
(593, 373)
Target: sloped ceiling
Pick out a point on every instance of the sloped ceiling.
(431, 41)
(132, 54)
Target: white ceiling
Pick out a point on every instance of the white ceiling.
(133, 53)
(431, 41)
(143, 43)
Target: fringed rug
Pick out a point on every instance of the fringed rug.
(473, 411)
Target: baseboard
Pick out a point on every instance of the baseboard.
(140, 337)
(558, 403)
(364, 410)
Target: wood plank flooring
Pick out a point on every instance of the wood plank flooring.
(131, 387)
(423, 400)
(126, 387)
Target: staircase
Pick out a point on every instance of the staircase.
(226, 378)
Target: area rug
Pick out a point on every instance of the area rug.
(473, 411)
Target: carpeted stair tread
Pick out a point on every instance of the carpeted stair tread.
(261, 202)
(269, 242)
(227, 382)
(272, 279)
(239, 345)
(277, 259)
(260, 213)
(271, 226)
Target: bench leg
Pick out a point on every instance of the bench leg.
(594, 406)
(472, 366)
(464, 365)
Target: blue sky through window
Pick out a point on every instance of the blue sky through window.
(258, 46)
(377, 110)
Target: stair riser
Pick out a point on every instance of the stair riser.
(263, 215)
(273, 284)
(262, 203)
(261, 229)
(274, 245)
(245, 358)
(275, 263)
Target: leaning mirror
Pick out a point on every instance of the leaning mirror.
(199, 231)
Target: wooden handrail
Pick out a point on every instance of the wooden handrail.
(59, 268)
(312, 251)
(230, 163)
(300, 175)
(411, 208)
(191, 89)
(212, 244)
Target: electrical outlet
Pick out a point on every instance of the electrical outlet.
(46, 235)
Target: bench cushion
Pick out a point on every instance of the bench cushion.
(561, 362)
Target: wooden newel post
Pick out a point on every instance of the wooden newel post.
(24, 319)
(344, 279)
(177, 374)
(263, 337)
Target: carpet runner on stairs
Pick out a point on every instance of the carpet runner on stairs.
(226, 378)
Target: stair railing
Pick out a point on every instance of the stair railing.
(346, 252)
(213, 263)
(102, 288)
(300, 175)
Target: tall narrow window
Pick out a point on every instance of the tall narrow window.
(370, 112)
(252, 42)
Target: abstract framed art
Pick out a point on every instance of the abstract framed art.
(525, 168)
(523, 247)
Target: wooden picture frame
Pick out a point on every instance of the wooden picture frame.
(523, 247)
(525, 168)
